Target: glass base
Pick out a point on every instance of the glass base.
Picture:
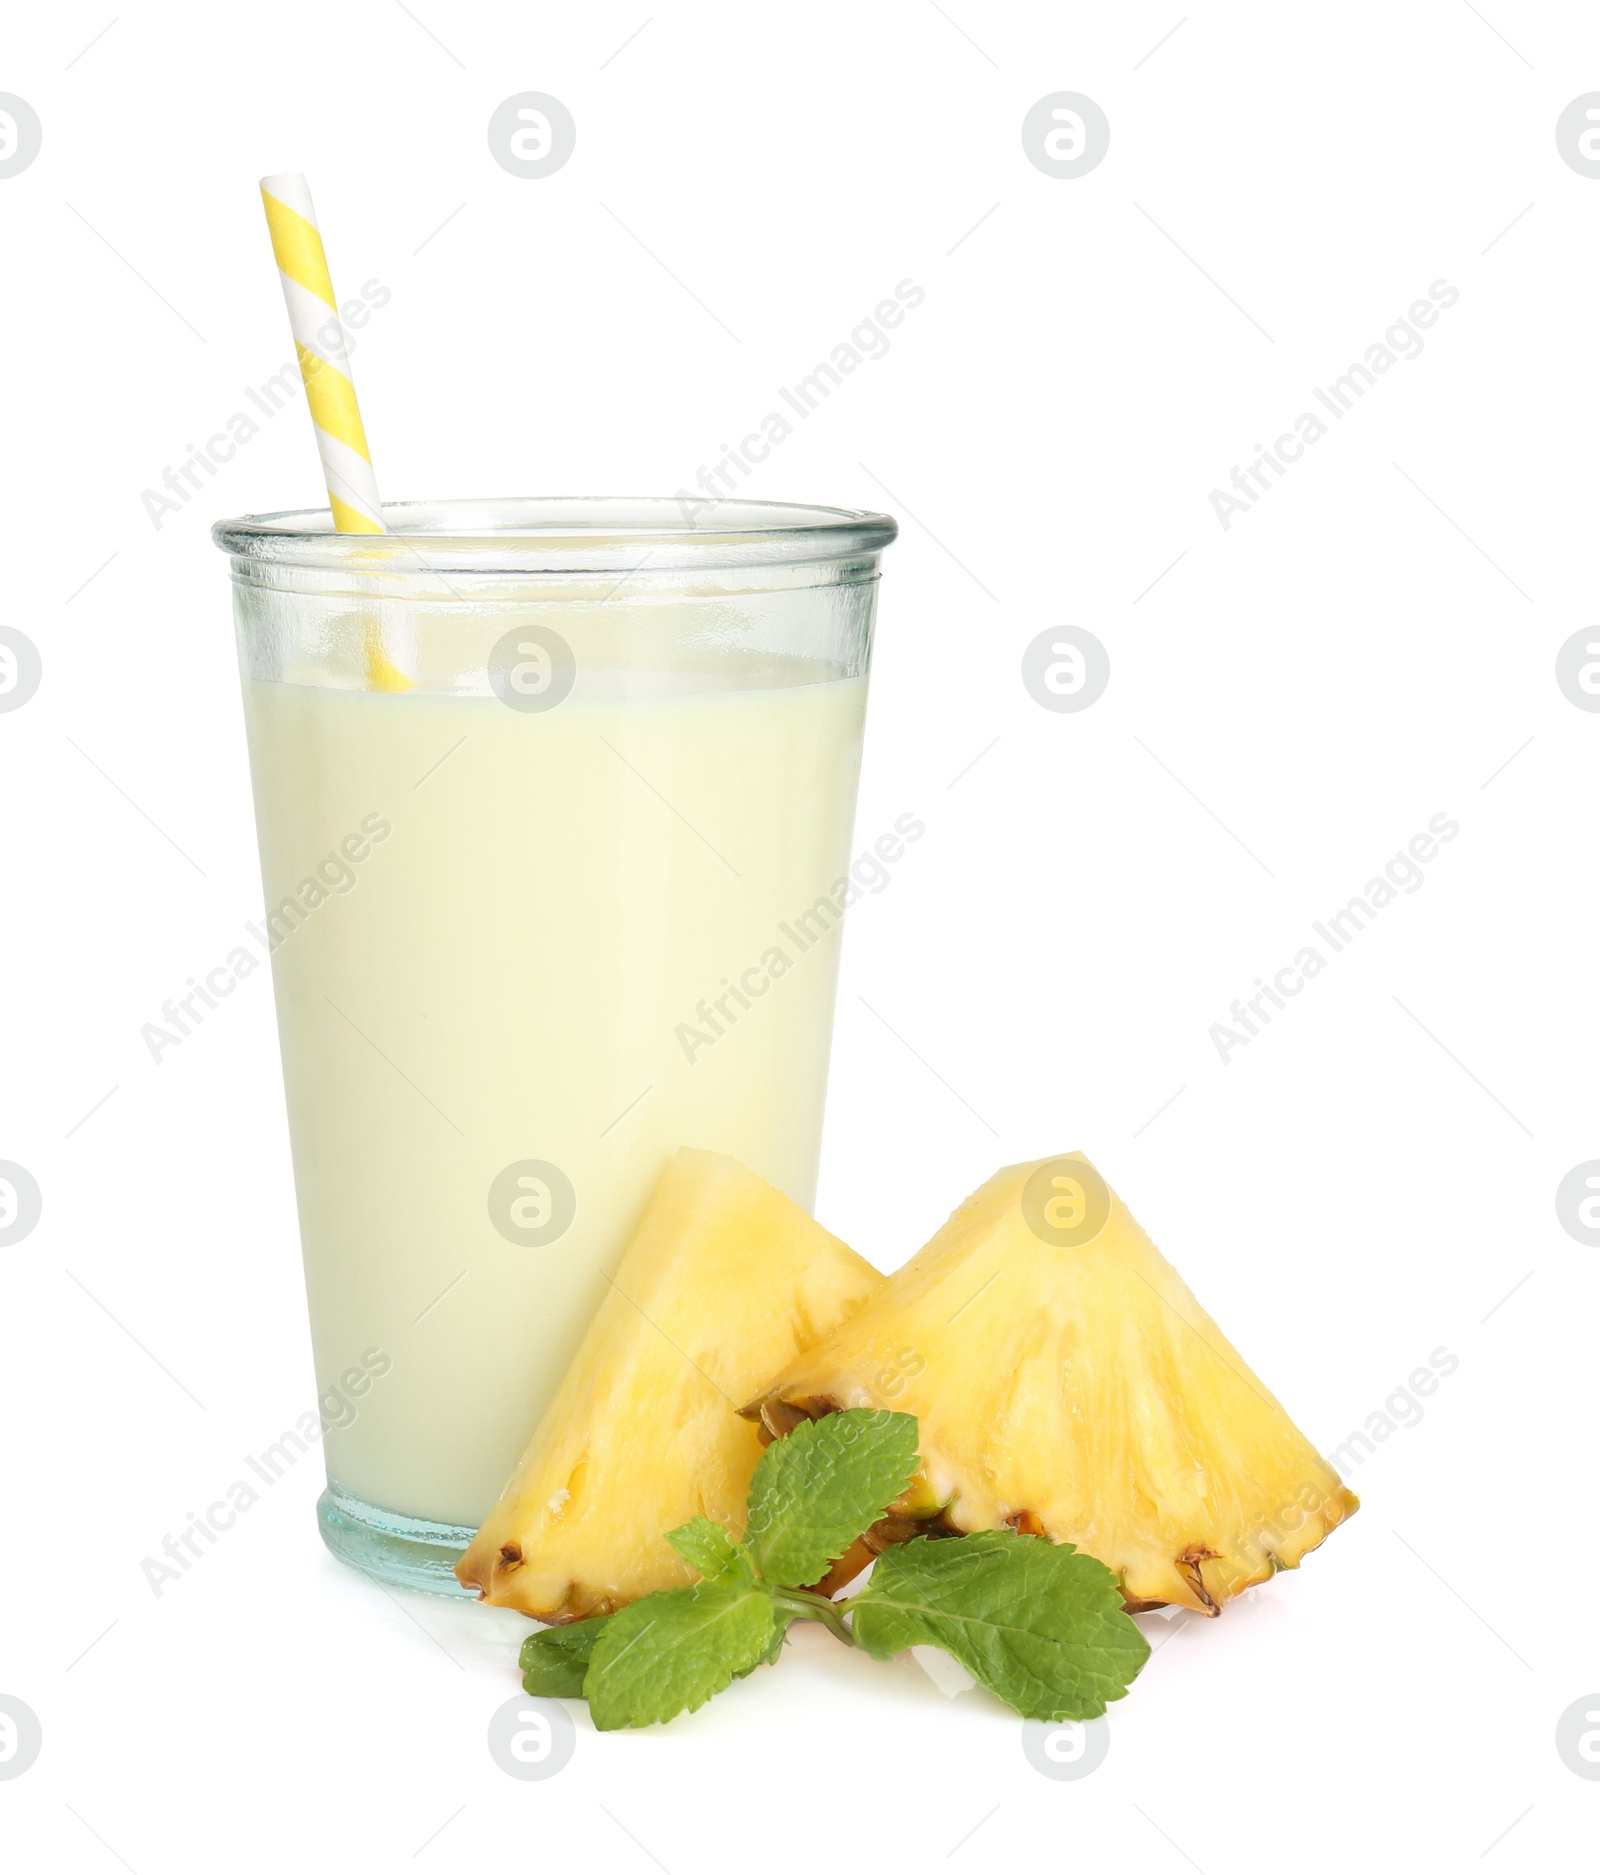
(407, 1552)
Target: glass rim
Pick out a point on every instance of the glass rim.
(563, 534)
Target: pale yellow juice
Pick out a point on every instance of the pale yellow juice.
(584, 937)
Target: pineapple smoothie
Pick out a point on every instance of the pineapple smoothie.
(541, 902)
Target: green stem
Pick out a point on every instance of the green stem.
(810, 1607)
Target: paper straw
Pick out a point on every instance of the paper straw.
(319, 344)
(324, 359)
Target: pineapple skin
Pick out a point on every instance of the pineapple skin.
(723, 1281)
(1078, 1393)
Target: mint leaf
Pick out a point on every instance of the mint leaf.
(709, 1550)
(669, 1652)
(819, 1487)
(555, 1660)
(1037, 1623)
(769, 1658)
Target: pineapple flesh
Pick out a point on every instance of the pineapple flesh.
(723, 1282)
(1068, 1385)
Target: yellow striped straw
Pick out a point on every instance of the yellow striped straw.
(324, 359)
(319, 343)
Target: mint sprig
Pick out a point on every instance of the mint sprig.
(1039, 1624)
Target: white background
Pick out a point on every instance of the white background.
(1372, 1178)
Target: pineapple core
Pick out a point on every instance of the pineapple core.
(1068, 1385)
(724, 1281)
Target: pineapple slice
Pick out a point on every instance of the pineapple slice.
(1069, 1385)
(723, 1281)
